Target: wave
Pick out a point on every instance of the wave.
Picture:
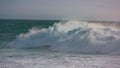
(72, 36)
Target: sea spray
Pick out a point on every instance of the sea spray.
(72, 36)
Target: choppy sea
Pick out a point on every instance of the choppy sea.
(59, 44)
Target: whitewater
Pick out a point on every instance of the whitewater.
(73, 36)
(59, 44)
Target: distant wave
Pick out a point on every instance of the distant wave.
(73, 36)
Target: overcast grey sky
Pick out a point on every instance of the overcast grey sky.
(60, 9)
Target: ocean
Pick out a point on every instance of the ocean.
(59, 44)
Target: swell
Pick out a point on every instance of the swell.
(73, 36)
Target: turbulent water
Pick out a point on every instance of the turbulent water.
(59, 44)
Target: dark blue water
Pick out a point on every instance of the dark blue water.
(10, 28)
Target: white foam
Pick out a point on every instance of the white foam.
(75, 36)
(65, 61)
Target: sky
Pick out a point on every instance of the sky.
(60, 9)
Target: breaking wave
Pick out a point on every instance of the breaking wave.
(73, 36)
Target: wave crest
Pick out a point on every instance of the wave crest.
(73, 36)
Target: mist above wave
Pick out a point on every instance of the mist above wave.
(73, 36)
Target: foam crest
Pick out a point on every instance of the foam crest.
(73, 36)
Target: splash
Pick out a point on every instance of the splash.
(73, 36)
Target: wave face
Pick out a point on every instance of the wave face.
(72, 36)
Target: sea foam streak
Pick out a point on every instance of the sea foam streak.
(73, 36)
